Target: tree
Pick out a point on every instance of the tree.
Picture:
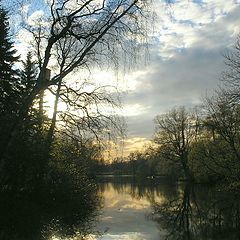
(93, 29)
(9, 84)
(224, 115)
(28, 75)
(8, 76)
(175, 131)
(231, 77)
(28, 79)
(84, 102)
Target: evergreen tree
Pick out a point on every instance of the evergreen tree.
(8, 75)
(28, 75)
(9, 83)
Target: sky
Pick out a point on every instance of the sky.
(184, 61)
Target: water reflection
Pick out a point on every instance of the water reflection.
(139, 188)
(47, 216)
(127, 205)
(131, 209)
(179, 211)
(199, 213)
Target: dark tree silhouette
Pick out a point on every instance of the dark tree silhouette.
(9, 81)
(93, 28)
(8, 75)
(175, 131)
(28, 75)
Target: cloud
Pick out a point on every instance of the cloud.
(36, 18)
(186, 60)
(25, 8)
(179, 26)
(132, 143)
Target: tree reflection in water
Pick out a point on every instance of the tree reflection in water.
(139, 188)
(47, 216)
(185, 212)
(199, 213)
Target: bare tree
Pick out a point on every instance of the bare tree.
(175, 131)
(224, 116)
(231, 77)
(223, 111)
(92, 28)
(86, 111)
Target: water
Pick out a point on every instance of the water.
(124, 209)
(48, 215)
(125, 213)
(151, 210)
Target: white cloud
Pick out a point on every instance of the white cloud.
(36, 18)
(186, 61)
(25, 8)
(179, 26)
(133, 110)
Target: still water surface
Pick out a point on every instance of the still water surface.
(125, 213)
(123, 209)
(154, 210)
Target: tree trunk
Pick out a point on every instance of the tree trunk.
(41, 96)
(50, 134)
(187, 172)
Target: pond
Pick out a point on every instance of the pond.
(125, 212)
(124, 208)
(160, 210)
